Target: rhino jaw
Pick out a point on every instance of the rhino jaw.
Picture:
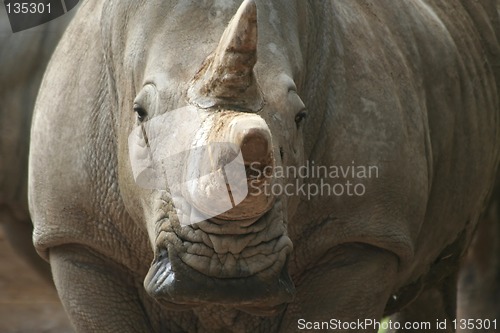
(240, 264)
(180, 287)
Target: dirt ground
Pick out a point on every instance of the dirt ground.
(27, 302)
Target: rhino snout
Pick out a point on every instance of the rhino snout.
(250, 133)
(255, 144)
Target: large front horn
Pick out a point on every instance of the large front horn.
(226, 78)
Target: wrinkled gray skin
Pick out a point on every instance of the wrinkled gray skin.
(23, 59)
(410, 87)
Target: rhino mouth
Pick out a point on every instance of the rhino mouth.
(240, 263)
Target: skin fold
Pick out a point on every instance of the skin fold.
(23, 60)
(410, 87)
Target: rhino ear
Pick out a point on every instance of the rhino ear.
(226, 78)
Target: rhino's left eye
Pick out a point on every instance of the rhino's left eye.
(140, 112)
(300, 116)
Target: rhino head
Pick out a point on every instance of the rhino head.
(202, 151)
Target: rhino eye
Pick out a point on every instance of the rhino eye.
(140, 112)
(300, 116)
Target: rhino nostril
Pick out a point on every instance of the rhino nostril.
(256, 148)
(253, 137)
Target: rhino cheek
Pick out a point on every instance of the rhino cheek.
(141, 165)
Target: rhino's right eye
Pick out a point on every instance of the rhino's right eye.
(140, 112)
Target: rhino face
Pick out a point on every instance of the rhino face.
(204, 133)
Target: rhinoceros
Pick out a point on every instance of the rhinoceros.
(264, 166)
(23, 59)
